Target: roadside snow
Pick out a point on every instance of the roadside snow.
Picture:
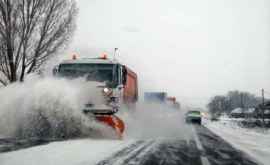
(254, 142)
(2, 136)
(73, 152)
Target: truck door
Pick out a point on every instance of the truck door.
(122, 78)
(119, 88)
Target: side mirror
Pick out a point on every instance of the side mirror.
(124, 76)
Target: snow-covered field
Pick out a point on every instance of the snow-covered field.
(255, 142)
(73, 152)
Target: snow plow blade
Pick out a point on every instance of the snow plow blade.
(114, 122)
(108, 118)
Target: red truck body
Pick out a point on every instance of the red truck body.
(130, 88)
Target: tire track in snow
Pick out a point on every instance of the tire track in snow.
(156, 152)
(129, 155)
(172, 152)
(205, 148)
(204, 159)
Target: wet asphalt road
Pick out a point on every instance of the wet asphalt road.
(205, 148)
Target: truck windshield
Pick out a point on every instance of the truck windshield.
(92, 72)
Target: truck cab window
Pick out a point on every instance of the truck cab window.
(92, 72)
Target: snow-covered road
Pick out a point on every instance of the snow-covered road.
(202, 148)
(73, 152)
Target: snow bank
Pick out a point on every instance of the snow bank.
(254, 142)
(74, 152)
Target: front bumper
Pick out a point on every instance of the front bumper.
(100, 109)
(194, 120)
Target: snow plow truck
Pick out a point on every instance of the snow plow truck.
(120, 87)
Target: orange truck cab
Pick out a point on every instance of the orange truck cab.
(119, 86)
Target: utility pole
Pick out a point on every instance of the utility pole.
(219, 106)
(263, 106)
(114, 54)
(263, 97)
(241, 97)
(242, 103)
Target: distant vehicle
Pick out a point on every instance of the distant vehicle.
(162, 98)
(118, 86)
(155, 97)
(194, 117)
(214, 118)
(173, 103)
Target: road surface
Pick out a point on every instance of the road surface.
(203, 148)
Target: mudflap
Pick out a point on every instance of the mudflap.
(114, 122)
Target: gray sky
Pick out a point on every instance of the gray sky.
(192, 49)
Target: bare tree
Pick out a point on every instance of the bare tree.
(218, 105)
(31, 31)
(233, 99)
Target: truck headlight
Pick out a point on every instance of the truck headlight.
(106, 90)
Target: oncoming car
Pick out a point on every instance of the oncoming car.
(194, 117)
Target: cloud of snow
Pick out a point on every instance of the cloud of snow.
(51, 107)
(48, 107)
(155, 121)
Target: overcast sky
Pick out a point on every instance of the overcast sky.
(192, 49)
